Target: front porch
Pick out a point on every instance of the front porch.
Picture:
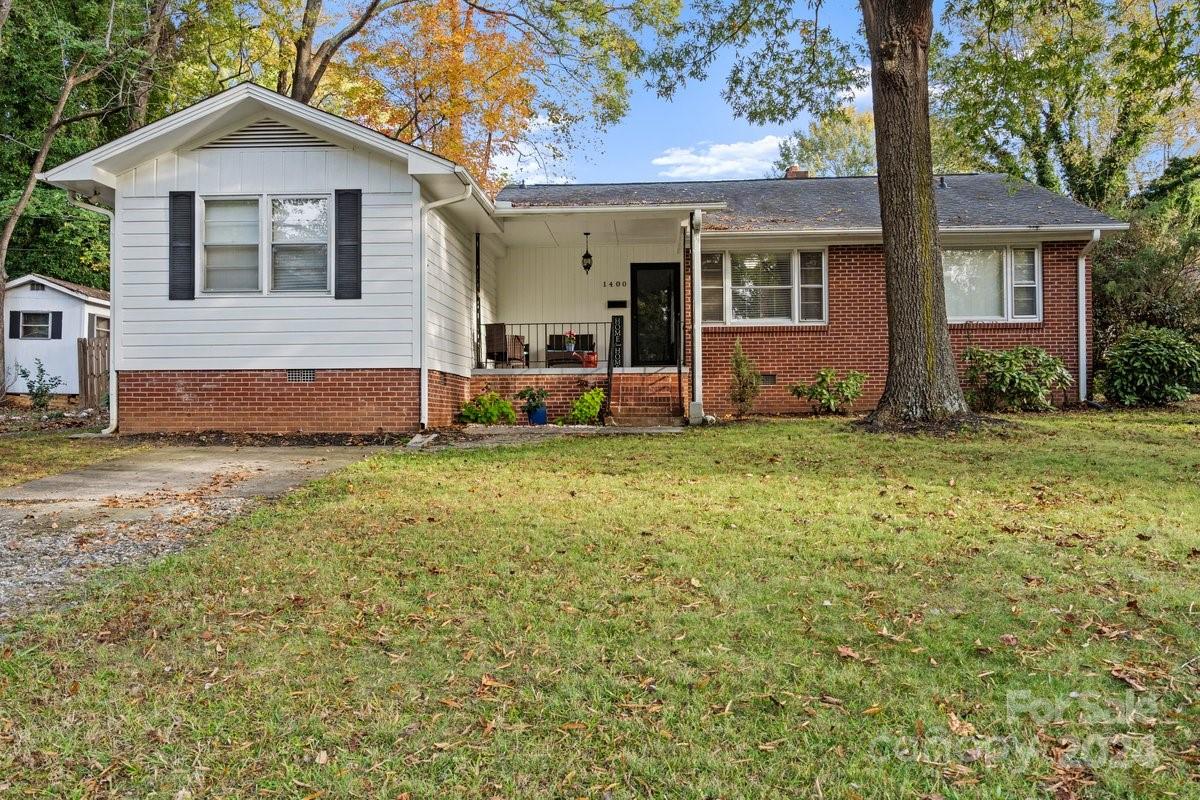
(545, 322)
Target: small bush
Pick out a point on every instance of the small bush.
(829, 395)
(746, 381)
(1151, 367)
(489, 408)
(39, 385)
(586, 408)
(1020, 379)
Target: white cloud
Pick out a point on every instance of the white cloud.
(709, 160)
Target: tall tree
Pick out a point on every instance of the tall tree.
(1070, 95)
(444, 76)
(800, 65)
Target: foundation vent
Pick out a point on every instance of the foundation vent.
(301, 376)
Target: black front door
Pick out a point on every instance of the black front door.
(654, 313)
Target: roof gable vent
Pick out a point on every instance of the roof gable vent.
(266, 133)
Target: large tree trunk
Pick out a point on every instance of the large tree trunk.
(922, 384)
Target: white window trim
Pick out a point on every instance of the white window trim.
(264, 245)
(1009, 273)
(794, 320)
(49, 327)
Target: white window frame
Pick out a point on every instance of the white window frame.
(721, 288)
(49, 326)
(94, 325)
(265, 241)
(794, 319)
(1009, 281)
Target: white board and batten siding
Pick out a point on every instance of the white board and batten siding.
(59, 356)
(449, 294)
(261, 330)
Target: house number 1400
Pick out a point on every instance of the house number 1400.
(615, 284)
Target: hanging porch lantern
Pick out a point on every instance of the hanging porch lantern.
(586, 261)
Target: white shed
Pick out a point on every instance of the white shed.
(45, 319)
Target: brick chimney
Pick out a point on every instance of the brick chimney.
(794, 172)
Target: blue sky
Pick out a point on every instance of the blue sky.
(695, 136)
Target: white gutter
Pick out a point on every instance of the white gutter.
(422, 294)
(73, 199)
(830, 232)
(521, 211)
(696, 407)
(1081, 294)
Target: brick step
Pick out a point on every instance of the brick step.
(627, 421)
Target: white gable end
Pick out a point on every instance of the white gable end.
(266, 133)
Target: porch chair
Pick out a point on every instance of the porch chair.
(503, 349)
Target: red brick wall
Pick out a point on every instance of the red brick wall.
(856, 334)
(634, 394)
(447, 393)
(262, 401)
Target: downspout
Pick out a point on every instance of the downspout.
(696, 407)
(1081, 287)
(74, 199)
(422, 295)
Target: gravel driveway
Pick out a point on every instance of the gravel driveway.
(55, 531)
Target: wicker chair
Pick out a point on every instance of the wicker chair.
(502, 349)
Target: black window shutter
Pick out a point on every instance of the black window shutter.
(182, 241)
(55, 324)
(347, 245)
(14, 324)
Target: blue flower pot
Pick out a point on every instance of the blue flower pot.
(538, 416)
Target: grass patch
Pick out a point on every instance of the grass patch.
(25, 456)
(760, 610)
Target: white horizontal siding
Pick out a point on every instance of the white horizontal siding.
(60, 357)
(449, 295)
(260, 331)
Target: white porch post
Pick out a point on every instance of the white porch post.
(696, 407)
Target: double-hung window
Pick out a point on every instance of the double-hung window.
(35, 325)
(992, 284)
(763, 286)
(231, 234)
(282, 243)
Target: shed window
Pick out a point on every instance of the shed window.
(35, 325)
(992, 284)
(231, 235)
(97, 326)
(300, 244)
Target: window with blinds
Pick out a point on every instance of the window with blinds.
(761, 285)
(992, 284)
(300, 244)
(231, 232)
(812, 285)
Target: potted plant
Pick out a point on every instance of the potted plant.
(569, 340)
(535, 404)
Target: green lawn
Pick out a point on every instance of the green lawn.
(25, 456)
(786, 609)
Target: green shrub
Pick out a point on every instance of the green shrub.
(1020, 379)
(39, 385)
(829, 395)
(1151, 367)
(586, 408)
(746, 381)
(489, 408)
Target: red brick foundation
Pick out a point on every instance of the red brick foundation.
(447, 393)
(263, 401)
(654, 394)
(856, 334)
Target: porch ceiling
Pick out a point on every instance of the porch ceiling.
(610, 228)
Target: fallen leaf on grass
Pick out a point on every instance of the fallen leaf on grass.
(960, 727)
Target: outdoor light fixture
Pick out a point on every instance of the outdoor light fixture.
(586, 261)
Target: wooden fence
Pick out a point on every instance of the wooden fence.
(93, 371)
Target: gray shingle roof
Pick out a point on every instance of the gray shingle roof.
(824, 203)
(79, 288)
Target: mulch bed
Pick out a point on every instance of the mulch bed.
(18, 419)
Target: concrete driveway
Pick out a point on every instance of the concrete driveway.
(55, 531)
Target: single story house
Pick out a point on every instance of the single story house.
(46, 319)
(277, 268)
